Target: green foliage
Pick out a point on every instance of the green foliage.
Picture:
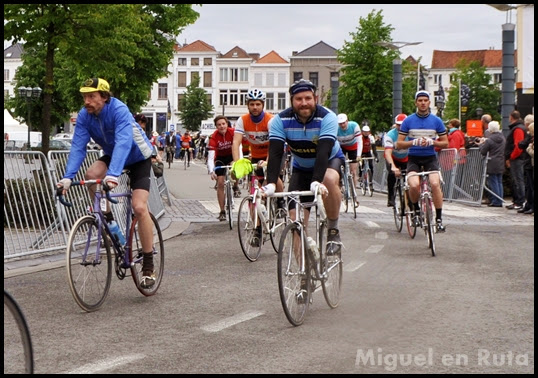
(129, 45)
(195, 107)
(483, 94)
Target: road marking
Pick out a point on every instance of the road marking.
(351, 267)
(381, 235)
(106, 364)
(372, 224)
(374, 248)
(233, 320)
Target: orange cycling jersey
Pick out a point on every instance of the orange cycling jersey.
(186, 141)
(257, 134)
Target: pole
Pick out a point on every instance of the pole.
(396, 87)
(334, 93)
(508, 76)
(459, 99)
(29, 123)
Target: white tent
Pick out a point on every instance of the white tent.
(11, 124)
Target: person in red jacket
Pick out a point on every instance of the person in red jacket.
(456, 140)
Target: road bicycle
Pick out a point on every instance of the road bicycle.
(301, 269)
(18, 349)
(365, 182)
(229, 204)
(186, 154)
(91, 246)
(349, 193)
(257, 214)
(170, 156)
(427, 209)
(401, 204)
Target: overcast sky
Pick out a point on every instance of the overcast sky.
(295, 27)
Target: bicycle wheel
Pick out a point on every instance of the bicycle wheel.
(353, 196)
(399, 206)
(294, 302)
(134, 248)
(278, 219)
(362, 184)
(331, 270)
(369, 183)
(89, 263)
(246, 229)
(430, 224)
(409, 213)
(18, 350)
(229, 203)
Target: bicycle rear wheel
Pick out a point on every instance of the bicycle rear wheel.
(229, 203)
(295, 302)
(278, 219)
(89, 263)
(246, 229)
(409, 214)
(18, 350)
(399, 206)
(430, 224)
(331, 270)
(136, 256)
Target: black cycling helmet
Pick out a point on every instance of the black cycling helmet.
(302, 85)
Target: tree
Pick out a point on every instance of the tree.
(130, 45)
(481, 92)
(195, 107)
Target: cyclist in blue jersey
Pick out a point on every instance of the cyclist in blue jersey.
(311, 133)
(125, 145)
(349, 137)
(394, 159)
(422, 128)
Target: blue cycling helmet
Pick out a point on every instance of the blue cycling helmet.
(255, 94)
(302, 85)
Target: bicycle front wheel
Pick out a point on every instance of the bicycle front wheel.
(369, 183)
(18, 350)
(295, 300)
(409, 214)
(246, 229)
(399, 207)
(134, 248)
(229, 204)
(89, 263)
(353, 195)
(430, 224)
(278, 219)
(331, 270)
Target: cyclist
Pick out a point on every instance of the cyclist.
(369, 148)
(422, 128)
(219, 154)
(125, 145)
(310, 131)
(253, 128)
(186, 141)
(349, 137)
(170, 144)
(394, 159)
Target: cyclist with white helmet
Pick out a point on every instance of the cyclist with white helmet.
(395, 159)
(369, 149)
(349, 137)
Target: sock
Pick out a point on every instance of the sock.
(417, 209)
(147, 263)
(332, 223)
(438, 214)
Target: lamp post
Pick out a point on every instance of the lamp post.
(396, 74)
(30, 94)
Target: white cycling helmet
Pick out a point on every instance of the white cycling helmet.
(255, 94)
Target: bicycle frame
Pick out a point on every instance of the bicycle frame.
(228, 193)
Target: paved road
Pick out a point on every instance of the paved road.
(470, 309)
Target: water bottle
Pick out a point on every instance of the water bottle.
(115, 230)
(312, 246)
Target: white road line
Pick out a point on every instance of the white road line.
(103, 365)
(351, 267)
(372, 224)
(374, 248)
(233, 320)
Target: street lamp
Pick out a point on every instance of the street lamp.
(30, 94)
(396, 74)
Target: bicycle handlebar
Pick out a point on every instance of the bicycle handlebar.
(63, 201)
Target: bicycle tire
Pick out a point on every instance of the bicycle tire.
(229, 204)
(136, 256)
(246, 229)
(353, 195)
(278, 220)
(362, 185)
(185, 160)
(14, 356)
(430, 224)
(370, 185)
(409, 213)
(399, 206)
(89, 280)
(289, 277)
(331, 270)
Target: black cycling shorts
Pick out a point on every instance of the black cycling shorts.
(139, 173)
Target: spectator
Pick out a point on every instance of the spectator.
(527, 168)
(486, 119)
(495, 145)
(515, 159)
(456, 140)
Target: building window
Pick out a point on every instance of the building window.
(223, 74)
(195, 62)
(270, 79)
(243, 74)
(182, 79)
(234, 74)
(281, 101)
(437, 79)
(208, 78)
(243, 97)
(6, 75)
(270, 101)
(163, 91)
(195, 76)
(223, 97)
(208, 61)
(314, 78)
(282, 79)
(181, 61)
(209, 99)
(297, 76)
(233, 97)
(497, 78)
(180, 98)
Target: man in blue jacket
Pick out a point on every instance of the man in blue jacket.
(125, 145)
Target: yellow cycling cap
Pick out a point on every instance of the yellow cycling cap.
(94, 85)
